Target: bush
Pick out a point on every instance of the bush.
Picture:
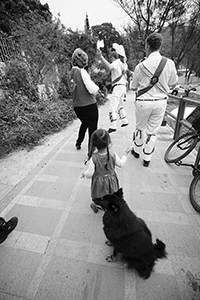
(24, 123)
(63, 89)
(19, 79)
(102, 79)
(24, 117)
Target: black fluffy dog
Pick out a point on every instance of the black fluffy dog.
(130, 236)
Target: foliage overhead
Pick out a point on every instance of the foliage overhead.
(12, 11)
(150, 16)
(108, 34)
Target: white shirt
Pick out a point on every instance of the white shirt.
(91, 167)
(89, 84)
(117, 68)
(146, 69)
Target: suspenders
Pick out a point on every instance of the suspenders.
(155, 77)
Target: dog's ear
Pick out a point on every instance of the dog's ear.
(119, 193)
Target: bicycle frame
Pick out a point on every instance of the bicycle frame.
(196, 165)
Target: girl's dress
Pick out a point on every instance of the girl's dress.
(104, 178)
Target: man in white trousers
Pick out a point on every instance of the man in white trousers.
(151, 105)
(118, 68)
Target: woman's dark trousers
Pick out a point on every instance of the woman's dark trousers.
(88, 115)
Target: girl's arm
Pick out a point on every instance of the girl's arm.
(89, 84)
(120, 162)
(90, 170)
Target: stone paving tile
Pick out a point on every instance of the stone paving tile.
(59, 168)
(41, 202)
(174, 218)
(75, 280)
(59, 242)
(51, 190)
(32, 242)
(168, 202)
(182, 180)
(140, 199)
(17, 270)
(158, 287)
(85, 228)
(187, 271)
(185, 201)
(160, 179)
(99, 253)
(182, 240)
(72, 249)
(10, 297)
(156, 229)
(38, 220)
(4, 190)
(66, 157)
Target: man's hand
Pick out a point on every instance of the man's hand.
(99, 53)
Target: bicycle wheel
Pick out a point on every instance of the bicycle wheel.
(181, 147)
(195, 192)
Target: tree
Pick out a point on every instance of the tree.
(150, 15)
(108, 34)
(87, 29)
(44, 43)
(177, 20)
(133, 45)
(13, 11)
(185, 35)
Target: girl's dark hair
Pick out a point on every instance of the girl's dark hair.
(100, 139)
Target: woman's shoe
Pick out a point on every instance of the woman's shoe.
(94, 208)
(78, 147)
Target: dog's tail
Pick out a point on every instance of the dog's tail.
(159, 249)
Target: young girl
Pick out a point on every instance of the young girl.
(101, 167)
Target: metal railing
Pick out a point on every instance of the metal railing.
(8, 49)
(179, 120)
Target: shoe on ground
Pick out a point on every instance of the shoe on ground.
(135, 154)
(78, 147)
(94, 208)
(7, 227)
(123, 125)
(110, 130)
(146, 163)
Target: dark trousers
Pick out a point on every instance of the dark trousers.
(88, 115)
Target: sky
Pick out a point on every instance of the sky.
(73, 13)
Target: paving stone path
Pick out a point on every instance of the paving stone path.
(58, 251)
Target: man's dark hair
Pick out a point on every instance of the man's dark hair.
(154, 40)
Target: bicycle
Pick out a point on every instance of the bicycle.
(179, 149)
